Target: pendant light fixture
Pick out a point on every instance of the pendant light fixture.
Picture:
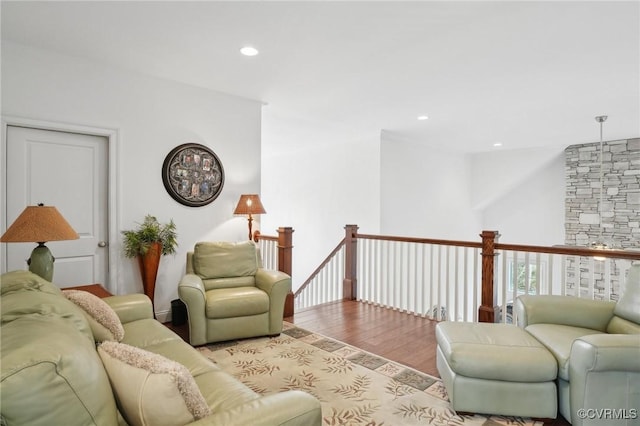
(600, 243)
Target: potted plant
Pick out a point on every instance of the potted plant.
(148, 242)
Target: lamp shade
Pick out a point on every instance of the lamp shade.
(249, 204)
(39, 224)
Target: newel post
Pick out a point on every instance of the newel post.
(285, 262)
(350, 282)
(488, 311)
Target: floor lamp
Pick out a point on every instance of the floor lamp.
(249, 204)
(39, 224)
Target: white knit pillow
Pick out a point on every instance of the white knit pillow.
(151, 390)
(105, 323)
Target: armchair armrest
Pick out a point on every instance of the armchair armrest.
(131, 307)
(194, 282)
(271, 281)
(192, 292)
(564, 310)
(291, 408)
(277, 285)
(603, 372)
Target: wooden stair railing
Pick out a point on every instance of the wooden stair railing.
(488, 310)
(488, 248)
(321, 267)
(284, 242)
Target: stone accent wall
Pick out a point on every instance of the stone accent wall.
(620, 219)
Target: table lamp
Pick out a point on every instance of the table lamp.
(39, 224)
(249, 204)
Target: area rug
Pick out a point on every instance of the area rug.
(354, 387)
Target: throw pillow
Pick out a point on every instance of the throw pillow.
(151, 389)
(104, 322)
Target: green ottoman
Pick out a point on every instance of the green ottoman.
(496, 369)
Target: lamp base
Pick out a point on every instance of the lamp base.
(41, 262)
(250, 220)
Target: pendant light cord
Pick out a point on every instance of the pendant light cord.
(601, 179)
(601, 119)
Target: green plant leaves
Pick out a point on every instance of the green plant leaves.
(138, 241)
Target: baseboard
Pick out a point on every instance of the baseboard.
(163, 316)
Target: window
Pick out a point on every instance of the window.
(526, 276)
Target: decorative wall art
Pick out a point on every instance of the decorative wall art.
(193, 175)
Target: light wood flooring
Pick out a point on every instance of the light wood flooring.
(407, 339)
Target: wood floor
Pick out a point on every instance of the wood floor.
(397, 336)
(407, 339)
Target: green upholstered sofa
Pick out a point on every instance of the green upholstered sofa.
(597, 347)
(229, 295)
(577, 356)
(53, 372)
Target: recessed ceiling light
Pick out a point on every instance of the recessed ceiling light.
(423, 117)
(497, 144)
(249, 51)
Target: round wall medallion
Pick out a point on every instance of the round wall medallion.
(193, 175)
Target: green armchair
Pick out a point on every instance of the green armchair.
(597, 347)
(229, 295)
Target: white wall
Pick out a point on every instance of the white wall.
(425, 192)
(317, 180)
(435, 194)
(532, 209)
(316, 183)
(152, 116)
(499, 171)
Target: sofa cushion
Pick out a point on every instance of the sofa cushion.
(570, 311)
(52, 375)
(44, 302)
(216, 283)
(223, 391)
(154, 337)
(224, 259)
(627, 306)
(151, 389)
(17, 281)
(103, 320)
(147, 332)
(619, 325)
(236, 302)
(558, 339)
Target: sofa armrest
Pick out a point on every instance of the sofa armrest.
(277, 285)
(605, 352)
(604, 370)
(192, 292)
(564, 310)
(291, 408)
(131, 307)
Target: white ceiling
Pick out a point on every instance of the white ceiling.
(524, 74)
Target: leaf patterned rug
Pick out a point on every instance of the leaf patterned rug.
(355, 387)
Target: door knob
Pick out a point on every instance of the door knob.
(102, 244)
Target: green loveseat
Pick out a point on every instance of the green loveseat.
(52, 373)
(597, 347)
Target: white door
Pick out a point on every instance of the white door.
(68, 171)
